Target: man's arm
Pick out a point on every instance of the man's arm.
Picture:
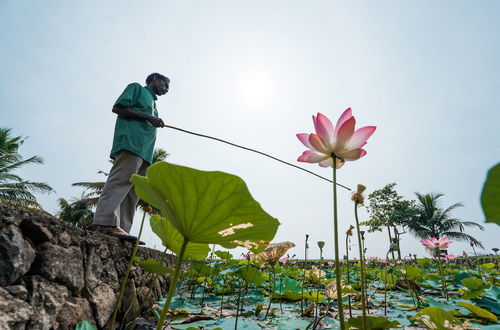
(125, 112)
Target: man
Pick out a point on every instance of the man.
(132, 151)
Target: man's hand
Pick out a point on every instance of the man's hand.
(156, 122)
(129, 113)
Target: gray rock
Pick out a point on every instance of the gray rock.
(18, 291)
(74, 311)
(103, 300)
(100, 268)
(54, 275)
(36, 231)
(47, 300)
(14, 313)
(130, 302)
(16, 255)
(62, 265)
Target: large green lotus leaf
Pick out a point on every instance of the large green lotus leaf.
(172, 239)
(435, 318)
(479, 312)
(488, 303)
(472, 283)
(489, 265)
(153, 266)
(490, 197)
(372, 322)
(200, 268)
(252, 275)
(414, 273)
(207, 207)
(493, 292)
(315, 296)
(223, 255)
(460, 276)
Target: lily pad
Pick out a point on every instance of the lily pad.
(207, 207)
(436, 318)
(252, 275)
(372, 322)
(172, 239)
(479, 312)
(153, 266)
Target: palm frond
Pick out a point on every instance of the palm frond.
(463, 237)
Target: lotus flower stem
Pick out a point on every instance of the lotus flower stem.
(304, 275)
(443, 277)
(347, 266)
(195, 282)
(336, 242)
(362, 266)
(238, 307)
(410, 287)
(272, 293)
(222, 297)
(317, 311)
(127, 273)
(281, 292)
(150, 289)
(173, 284)
(385, 283)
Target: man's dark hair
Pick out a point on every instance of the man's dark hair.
(155, 76)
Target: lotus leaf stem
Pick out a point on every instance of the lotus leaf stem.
(173, 284)
(362, 266)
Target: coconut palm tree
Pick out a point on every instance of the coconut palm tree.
(78, 213)
(429, 220)
(14, 189)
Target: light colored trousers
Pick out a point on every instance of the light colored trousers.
(116, 206)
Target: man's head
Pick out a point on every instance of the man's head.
(158, 83)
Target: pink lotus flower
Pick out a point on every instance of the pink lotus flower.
(434, 243)
(283, 260)
(448, 257)
(341, 141)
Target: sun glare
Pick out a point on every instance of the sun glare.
(256, 90)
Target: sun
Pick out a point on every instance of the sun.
(256, 90)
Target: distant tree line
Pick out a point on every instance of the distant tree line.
(423, 217)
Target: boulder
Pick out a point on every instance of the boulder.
(54, 275)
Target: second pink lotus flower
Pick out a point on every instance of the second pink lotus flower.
(435, 243)
(341, 140)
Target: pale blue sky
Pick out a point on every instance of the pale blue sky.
(426, 73)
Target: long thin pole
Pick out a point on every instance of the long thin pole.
(256, 151)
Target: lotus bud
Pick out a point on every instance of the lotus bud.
(147, 208)
(358, 197)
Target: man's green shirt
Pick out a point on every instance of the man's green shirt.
(136, 135)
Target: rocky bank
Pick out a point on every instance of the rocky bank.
(54, 275)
